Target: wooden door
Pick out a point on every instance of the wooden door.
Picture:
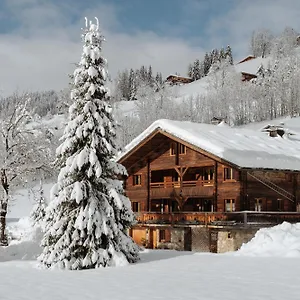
(153, 238)
(139, 236)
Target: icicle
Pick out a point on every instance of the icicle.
(86, 22)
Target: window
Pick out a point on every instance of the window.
(229, 205)
(173, 148)
(208, 174)
(289, 177)
(280, 204)
(182, 149)
(137, 179)
(228, 173)
(162, 235)
(258, 204)
(135, 206)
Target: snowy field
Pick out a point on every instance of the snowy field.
(161, 274)
(259, 271)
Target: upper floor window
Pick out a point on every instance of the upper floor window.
(137, 179)
(182, 149)
(228, 174)
(177, 147)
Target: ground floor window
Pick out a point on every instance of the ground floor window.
(229, 205)
(258, 204)
(162, 235)
(280, 204)
(135, 206)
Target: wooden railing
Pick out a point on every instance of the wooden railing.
(203, 188)
(243, 218)
(176, 184)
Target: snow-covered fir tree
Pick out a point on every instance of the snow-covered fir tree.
(88, 216)
(38, 212)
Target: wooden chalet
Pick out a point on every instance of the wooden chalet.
(189, 182)
(176, 79)
(248, 76)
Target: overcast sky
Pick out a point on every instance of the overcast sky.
(40, 39)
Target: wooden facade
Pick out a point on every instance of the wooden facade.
(172, 183)
(248, 76)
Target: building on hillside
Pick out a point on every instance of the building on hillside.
(203, 187)
(176, 79)
(247, 58)
(249, 66)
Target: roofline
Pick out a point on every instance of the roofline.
(139, 145)
(171, 136)
(196, 148)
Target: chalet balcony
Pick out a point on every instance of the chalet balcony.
(243, 218)
(203, 188)
(179, 218)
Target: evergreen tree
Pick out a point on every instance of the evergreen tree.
(196, 70)
(190, 71)
(222, 54)
(132, 85)
(150, 78)
(88, 216)
(215, 57)
(228, 55)
(206, 63)
(38, 212)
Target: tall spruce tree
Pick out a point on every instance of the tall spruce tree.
(88, 216)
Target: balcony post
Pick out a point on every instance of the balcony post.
(245, 219)
(148, 186)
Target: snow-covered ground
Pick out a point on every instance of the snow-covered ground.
(162, 274)
(159, 275)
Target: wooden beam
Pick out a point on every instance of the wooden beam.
(147, 157)
(138, 146)
(185, 171)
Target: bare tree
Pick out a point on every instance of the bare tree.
(261, 43)
(22, 152)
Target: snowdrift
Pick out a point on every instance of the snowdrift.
(24, 242)
(279, 241)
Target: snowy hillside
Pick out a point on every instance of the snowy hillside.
(197, 88)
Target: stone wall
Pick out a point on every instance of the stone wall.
(232, 239)
(200, 239)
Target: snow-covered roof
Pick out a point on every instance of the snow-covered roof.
(242, 147)
(252, 66)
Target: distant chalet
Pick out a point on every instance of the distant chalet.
(176, 79)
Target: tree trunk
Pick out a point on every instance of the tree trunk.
(3, 208)
(3, 212)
